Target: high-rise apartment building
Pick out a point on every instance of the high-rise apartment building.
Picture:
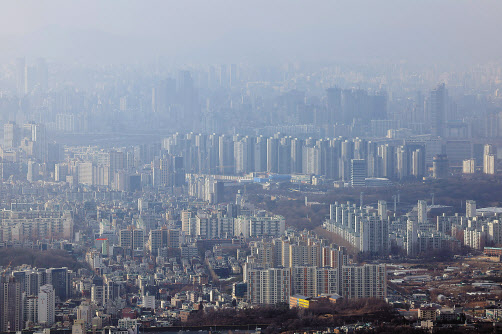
(366, 281)
(46, 305)
(11, 135)
(382, 209)
(162, 238)
(132, 239)
(489, 159)
(422, 211)
(257, 227)
(272, 155)
(470, 209)
(402, 162)
(418, 163)
(161, 172)
(387, 155)
(469, 166)
(11, 305)
(85, 173)
(314, 281)
(30, 309)
(269, 286)
(367, 232)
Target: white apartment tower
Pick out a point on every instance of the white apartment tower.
(46, 305)
(422, 212)
(470, 209)
(382, 209)
(489, 159)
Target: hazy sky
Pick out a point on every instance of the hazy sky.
(218, 31)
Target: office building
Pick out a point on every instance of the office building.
(59, 278)
(358, 172)
(437, 109)
(440, 166)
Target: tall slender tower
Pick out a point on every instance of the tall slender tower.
(470, 209)
(438, 101)
(422, 212)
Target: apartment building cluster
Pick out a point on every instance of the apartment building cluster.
(206, 159)
(235, 221)
(365, 228)
(91, 166)
(476, 229)
(332, 158)
(29, 296)
(373, 230)
(416, 233)
(28, 140)
(421, 230)
(337, 158)
(23, 224)
(488, 163)
(304, 265)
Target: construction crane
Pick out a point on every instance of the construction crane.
(7, 268)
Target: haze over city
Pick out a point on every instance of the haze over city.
(253, 31)
(250, 167)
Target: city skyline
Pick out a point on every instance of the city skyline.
(257, 167)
